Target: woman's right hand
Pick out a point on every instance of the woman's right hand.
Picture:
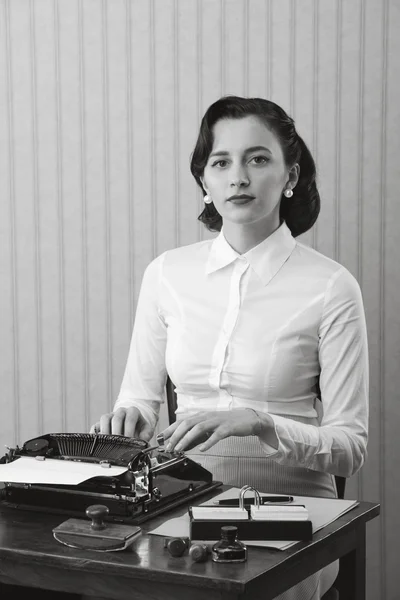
(124, 421)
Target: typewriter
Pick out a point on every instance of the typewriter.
(153, 481)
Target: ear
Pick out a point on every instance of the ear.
(294, 174)
(203, 184)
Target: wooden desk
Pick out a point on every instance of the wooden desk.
(30, 556)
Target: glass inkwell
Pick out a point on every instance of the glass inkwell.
(229, 549)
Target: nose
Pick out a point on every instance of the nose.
(239, 177)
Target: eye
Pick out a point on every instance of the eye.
(259, 160)
(219, 163)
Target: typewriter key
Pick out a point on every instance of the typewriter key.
(161, 442)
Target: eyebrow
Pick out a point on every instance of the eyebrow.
(247, 151)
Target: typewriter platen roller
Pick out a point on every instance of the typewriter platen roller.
(154, 480)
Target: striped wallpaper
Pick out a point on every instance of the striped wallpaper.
(100, 103)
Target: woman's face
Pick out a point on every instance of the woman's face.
(247, 159)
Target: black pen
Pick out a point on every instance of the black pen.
(264, 500)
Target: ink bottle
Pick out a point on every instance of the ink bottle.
(229, 549)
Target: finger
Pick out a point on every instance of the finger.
(118, 422)
(146, 433)
(196, 435)
(181, 430)
(95, 428)
(170, 430)
(218, 435)
(193, 418)
(130, 428)
(105, 423)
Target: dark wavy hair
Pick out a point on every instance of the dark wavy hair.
(301, 210)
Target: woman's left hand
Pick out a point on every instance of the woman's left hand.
(210, 428)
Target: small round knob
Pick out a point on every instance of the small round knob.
(198, 552)
(157, 493)
(176, 546)
(97, 512)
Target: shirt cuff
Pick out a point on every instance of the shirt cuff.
(268, 435)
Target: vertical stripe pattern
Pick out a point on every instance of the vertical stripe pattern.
(101, 104)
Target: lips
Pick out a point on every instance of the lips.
(241, 197)
(241, 200)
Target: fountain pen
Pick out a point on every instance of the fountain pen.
(264, 500)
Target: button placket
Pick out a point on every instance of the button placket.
(220, 352)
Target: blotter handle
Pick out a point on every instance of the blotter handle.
(97, 512)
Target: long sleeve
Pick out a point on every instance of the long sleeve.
(338, 445)
(143, 384)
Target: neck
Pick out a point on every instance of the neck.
(242, 237)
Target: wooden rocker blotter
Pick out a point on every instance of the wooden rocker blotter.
(286, 522)
(96, 535)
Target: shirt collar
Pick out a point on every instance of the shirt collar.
(265, 259)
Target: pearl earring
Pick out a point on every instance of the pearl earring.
(288, 193)
(207, 199)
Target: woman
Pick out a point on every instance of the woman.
(255, 329)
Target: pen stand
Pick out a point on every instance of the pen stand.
(254, 523)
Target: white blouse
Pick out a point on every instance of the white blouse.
(274, 329)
